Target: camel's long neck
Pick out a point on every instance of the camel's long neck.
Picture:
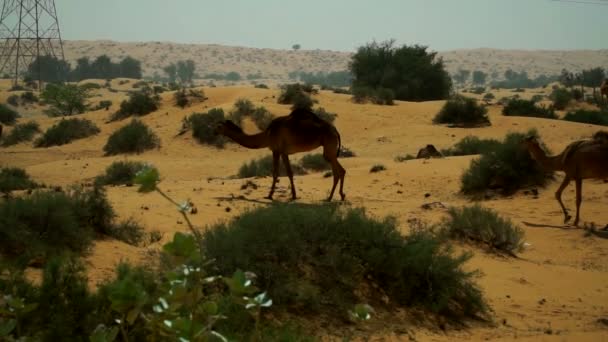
(259, 140)
(549, 163)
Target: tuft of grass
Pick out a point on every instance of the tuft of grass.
(13, 178)
(120, 173)
(404, 158)
(470, 145)
(346, 152)
(519, 107)
(507, 168)
(7, 115)
(315, 162)
(377, 168)
(20, 133)
(135, 137)
(128, 231)
(462, 111)
(484, 227)
(315, 258)
(594, 117)
(262, 167)
(66, 131)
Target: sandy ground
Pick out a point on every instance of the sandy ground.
(275, 64)
(556, 291)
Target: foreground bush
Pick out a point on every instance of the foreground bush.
(484, 227)
(135, 137)
(20, 133)
(66, 131)
(506, 168)
(120, 173)
(594, 117)
(316, 258)
(379, 96)
(315, 162)
(13, 178)
(519, 107)
(462, 111)
(203, 127)
(140, 103)
(7, 115)
(262, 167)
(472, 145)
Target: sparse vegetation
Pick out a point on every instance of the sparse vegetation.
(7, 115)
(488, 97)
(298, 95)
(120, 173)
(262, 118)
(519, 107)
(20, 133)
(594, 117)
(561, 97)
(505, 169)
(404, 158)
(65, 99)
(135, 137)
(13, 178)
(314, 162)
(472, 145)
(66, 131)
(484, 227)
(184, 98)
(325, 115)
(203, 127)
(462, 111)
(140, 103)
(262, 167)
(377, 168)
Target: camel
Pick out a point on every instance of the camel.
(300, 131)
(582, 159)
(604, 90)
(429, 151)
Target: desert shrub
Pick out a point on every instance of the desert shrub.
(577, 94)
(298, 95)
(477, 90)
(262, 167)
(13, 100)
(472, 145)
(302, 101)
(28, 97)
(383, 96)
(488, 97)
(507, 168)
(406, 157)
(519, 90)
(361, 94)
(21, 132)
(13, 178)
(66, 131)
(377, 168)
(91, 86)
(462, 111)
(317, 257)
(7, 115)
(341, 91)
(120, 173)
(560, 97)
(537, 98)
(180, 98)
(65, 99)
(485, 227)
(325, 115)
(139, 103)
(242, 108)
(315, 162)
(17, 87)
(203, 127)
(346, 152)
(159, 89)
(519, 107)
(103, 104)
(127, 231)
(140, 84)
(262, 117)
(261, 86)
(594, 117)
(135, 137)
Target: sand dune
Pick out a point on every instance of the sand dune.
(561, 265)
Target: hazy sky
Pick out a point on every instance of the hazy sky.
(342, 24)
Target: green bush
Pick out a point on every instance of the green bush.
(488, 97)
(519, 107)
(28, 97)
(594, 117)
(7, 115)
(66, 131)
(65, 99)
(140, 103)
(377, 168)
(506, 168)
(560, 97)
(485, 227)
(262, 167)
(477, 90)
(298, 95)
(103, 104)
(203, 127)
(261, 86)
(242, 108)
(127, 231)
(135, 137)
(13, 100)
(316, 258)
(472, 145)
(262, 117)
(325, 115)
(13, 178)
(379, 96)
(181, 99)
(120, 173)
(21, 132)
(462, 111)
(315, 162)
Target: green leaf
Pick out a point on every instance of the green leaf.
(132, 316)
(183, 247)
(103, 334)
(147, 178)
(210, 308)
(7, 327)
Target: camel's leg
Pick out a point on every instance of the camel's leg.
(285, 158)
(558, 196)
(579, 198)
(275, 172)
(338, 173)
(342, 175)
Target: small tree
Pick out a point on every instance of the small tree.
(171, 71)
(185, 70)
(462, 76)
(479, 77)
(65, 99)
(296, 47)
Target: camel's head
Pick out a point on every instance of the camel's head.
(531, 143)
(226, 126)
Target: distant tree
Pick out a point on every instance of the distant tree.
(83, 69)
(462, 76)
(410, 72)
(49, 68)
(479, 77)
(130, 67)
(233, 76)
(185, 70)
(103, 67)
(296, 47)
(593, 78)
(65, 99)
(566, 78)
(171, 71)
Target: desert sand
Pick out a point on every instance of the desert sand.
(555, 291)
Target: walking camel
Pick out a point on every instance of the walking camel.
(580, 160)
(300, 131)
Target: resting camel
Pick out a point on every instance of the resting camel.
(580, 160)
(300, 131)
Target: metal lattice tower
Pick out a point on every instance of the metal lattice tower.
(28, 29)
